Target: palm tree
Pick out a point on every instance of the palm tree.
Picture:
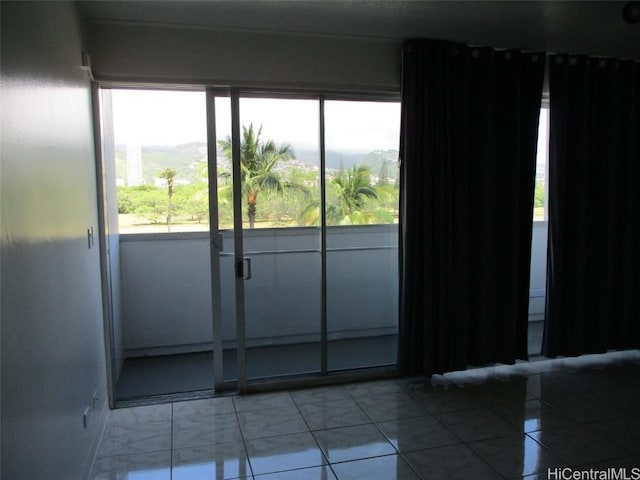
(169, 174)
(351, 191)
(257, 163)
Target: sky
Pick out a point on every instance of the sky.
(173, 117)
(543, 138)
(147, 117)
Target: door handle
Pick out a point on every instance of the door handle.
(216, 241)
(248, 276)
(240, 270)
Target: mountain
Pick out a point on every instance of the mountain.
(336, 160)
(184, 159)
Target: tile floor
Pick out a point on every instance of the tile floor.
(503, 422)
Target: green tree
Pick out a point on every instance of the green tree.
(169, 174)
(341, 167)
(127, 200)
(348, 202)
(388, 194)
(539, 195)
(145, 201)
(258, 160)
(192, 201)
(202, 170)
(383, 176)
(150, 203)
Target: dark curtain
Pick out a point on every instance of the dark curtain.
(468, 152)
(593, 280)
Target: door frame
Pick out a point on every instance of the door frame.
(215, 243)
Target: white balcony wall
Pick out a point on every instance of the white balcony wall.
(166, 303)
(165, 291)
(538, 279)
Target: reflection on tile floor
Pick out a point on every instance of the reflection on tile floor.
(502, 422)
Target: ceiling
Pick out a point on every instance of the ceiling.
(593, 27)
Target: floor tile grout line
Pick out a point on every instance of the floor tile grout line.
(308, 431)
(557, 454)
(329, 463)
(383, 435)
(324, 456)
(467, 443)
(379, 431)
(496, 438)
(565, 459)
(244, 440)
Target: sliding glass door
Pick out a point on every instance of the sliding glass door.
(257, 237)
(362, 190)
(154, 165)
(281, 262)
(316, 202)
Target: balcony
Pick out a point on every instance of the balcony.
(166, 312)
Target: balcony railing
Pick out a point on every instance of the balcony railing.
(165, 287)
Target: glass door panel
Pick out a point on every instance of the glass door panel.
(281, 261)
(157, 148)
(361, 182)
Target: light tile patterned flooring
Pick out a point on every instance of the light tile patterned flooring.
(503, 422)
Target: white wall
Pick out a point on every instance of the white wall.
(52, 330)
(200, 56)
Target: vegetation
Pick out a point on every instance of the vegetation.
(258, 161)
(169, 174)
(539, 196)
(538, 202)
(146, 201)
(279, 189)
(352, 200)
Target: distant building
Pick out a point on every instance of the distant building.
(134, 164)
